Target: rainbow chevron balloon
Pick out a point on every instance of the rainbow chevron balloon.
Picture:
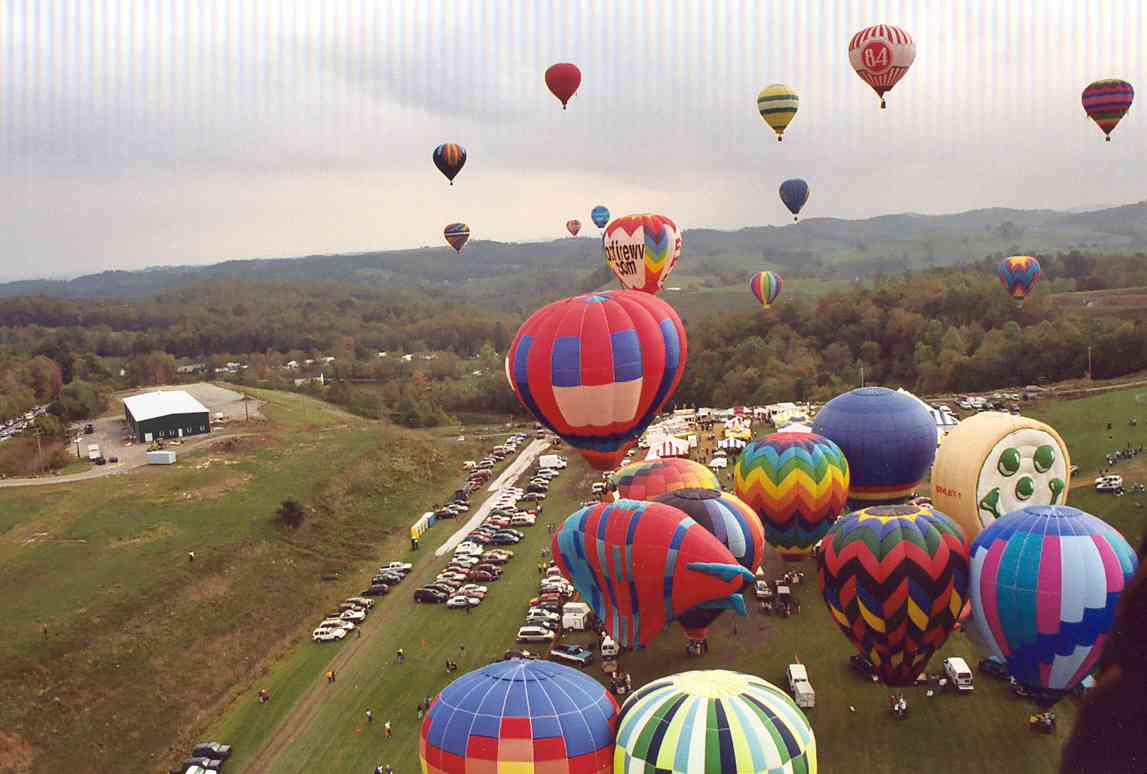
(895, 579)
(797, 483)
(1019, 275)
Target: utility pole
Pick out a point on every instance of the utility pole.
(1089, 377)
(862, 374)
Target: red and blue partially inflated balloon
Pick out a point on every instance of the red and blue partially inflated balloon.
(1019, 275)
(596, 369)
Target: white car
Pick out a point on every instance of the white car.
(465, 560)
(541, 612)
(473, 589)
(353, 615)
(336, 623)
(470, 548)
(365, 602)
(451, 576)
(535, 634)
(523, 521)
(328, 635)
(1108, 483)
(461, 600)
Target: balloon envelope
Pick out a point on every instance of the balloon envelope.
(450, 157)
(653, 478)
(766, 286)
(888, 438)
(993, 463)
(777, 104)
(457, 235)
(794, 194)
(642, 250)
(1018, 275)
(596, 369)
(797, 483)
(713, 721)
(1106, 102)
(639, 565)
(573, 226)
(521, 715)
(562, 80)
(895, 580)
(1045, 584)
(600, 216)
(881, 55)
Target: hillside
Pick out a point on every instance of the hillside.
(501, 273)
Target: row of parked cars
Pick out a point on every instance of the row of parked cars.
(353, 611)
(206, 758)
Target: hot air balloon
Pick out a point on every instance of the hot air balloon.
(450, 157)
(713, 721)
(895, 578)
(778, 106)
(730, 521)
(794, 194)
(653, 478)
(1045, 583)
(597, 368)
(881, 55)
(766, 286)
(639, 565)
(798, 484)
(520, 715)
(888, 438)
(994, 463)
(1019, 275)
(562, 80)
(642, 250)
(600, 216)
(456, 235)
(573, 226)
(1106, 102)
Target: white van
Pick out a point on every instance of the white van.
(800, 687)
(958, 672)
(1108, 483)
(609, 647)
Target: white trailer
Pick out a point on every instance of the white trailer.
(94, 452)
(161, 458)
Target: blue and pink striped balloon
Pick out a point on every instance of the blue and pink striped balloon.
(1019, 275)
(1045, 584)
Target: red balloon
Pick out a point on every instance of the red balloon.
(562, 80)
(573, 226)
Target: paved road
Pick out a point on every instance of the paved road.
(509, 476)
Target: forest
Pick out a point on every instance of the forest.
(423, 359)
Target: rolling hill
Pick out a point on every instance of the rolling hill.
(510, 274)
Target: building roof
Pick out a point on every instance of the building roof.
(160, 404)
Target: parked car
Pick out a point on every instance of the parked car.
(469, 547)
(353, 615)
(482, 575)
(504, 554)
(376, 590)
(328, 634)
(996, 669)
(862, 665)
(462, 600)
(430, 596)
(535, 634)
(958, 674)
(800, 687)
(524, 521)
(362, 602)
(543, 613)
(336, 623)
(212, 750)
(465, 560)
(511, 654)
(473, 589)
(389, 578)
(572, 654)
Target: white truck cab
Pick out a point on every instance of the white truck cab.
(800, 687)
(958, 672)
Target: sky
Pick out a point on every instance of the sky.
(138, 133)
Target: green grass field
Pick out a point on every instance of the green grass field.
(1083, 424)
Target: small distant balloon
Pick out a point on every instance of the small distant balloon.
(1106, 102)
(766, 286)
(794, 194)
(573, 226)
(457, 235)
(450, 157)
(600, 216)
(881, 55)
(777, 104)
(1019, 275)
(562, 80)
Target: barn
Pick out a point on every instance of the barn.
(168, 414)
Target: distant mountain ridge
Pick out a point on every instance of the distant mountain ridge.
(489, 271)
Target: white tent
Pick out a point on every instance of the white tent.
(942, 419)
(668, 446)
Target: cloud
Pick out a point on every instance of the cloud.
(194, 131)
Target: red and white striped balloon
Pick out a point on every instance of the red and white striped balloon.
(881, 54)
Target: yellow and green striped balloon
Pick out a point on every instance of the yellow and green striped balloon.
(713, 721)
(778, 106)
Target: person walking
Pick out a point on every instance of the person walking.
(369, 716)
(401, 656)
(386, 729)
(421, 712)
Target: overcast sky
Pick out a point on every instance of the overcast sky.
(137, 133)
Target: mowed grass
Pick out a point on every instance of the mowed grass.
(985, 731)
(1083, 424)
(694, 303)
(118, 649)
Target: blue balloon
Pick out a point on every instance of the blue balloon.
(794, 193)
(600, 216)
(888, 438)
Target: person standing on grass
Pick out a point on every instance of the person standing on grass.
(420, 712)
(401, 656)
(386, 729)
(369, 716)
